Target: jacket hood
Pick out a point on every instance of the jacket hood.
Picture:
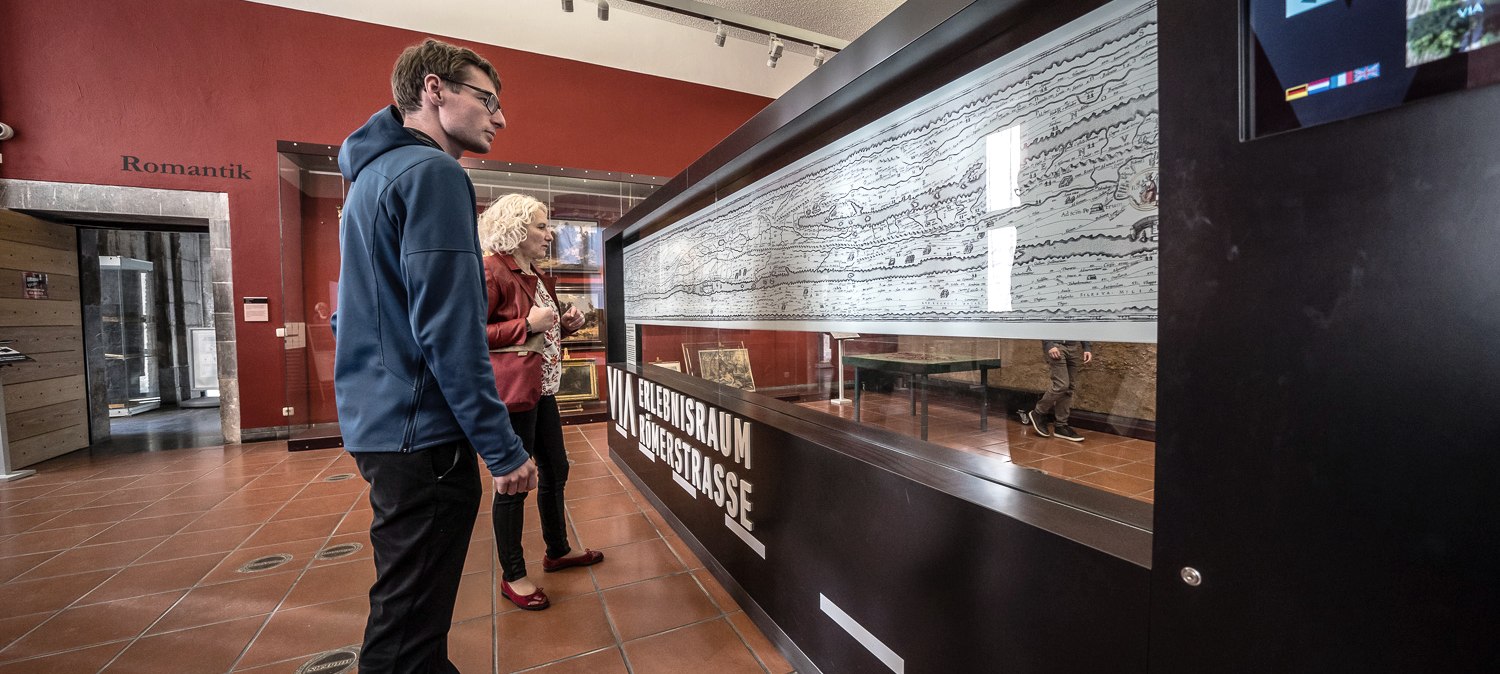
(378, 136)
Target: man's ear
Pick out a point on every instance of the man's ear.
(432, 88)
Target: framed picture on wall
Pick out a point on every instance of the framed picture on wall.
(589, 300)
(578, 381)
(576, 245)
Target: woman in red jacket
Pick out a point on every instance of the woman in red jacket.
(524, 328)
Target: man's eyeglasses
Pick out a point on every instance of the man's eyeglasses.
(491, 101)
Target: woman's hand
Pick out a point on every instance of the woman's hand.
(572, 319)
(541, 319)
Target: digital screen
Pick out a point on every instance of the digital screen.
(1318, 61)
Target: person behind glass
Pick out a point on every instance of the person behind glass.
(416, 397)
(524, 331)
(1064, 359)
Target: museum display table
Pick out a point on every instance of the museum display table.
(919, 366)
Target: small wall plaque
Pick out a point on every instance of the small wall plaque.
(257, 310)
(35, 283)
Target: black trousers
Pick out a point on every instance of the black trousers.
(540, 429)
(425, 504)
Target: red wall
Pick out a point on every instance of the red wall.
(214, 82)
(777, 357)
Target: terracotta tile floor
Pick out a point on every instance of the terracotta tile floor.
(129, 563)
(1113, 463)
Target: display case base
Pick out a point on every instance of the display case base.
(133, 408)
(16, 475)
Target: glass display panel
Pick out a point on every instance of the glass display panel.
(887, 376)
(311, 201)
(1316, 61)
(926, 257)
(1019, 200)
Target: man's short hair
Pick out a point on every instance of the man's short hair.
(433, 58)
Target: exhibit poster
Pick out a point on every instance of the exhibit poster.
(1018, 201)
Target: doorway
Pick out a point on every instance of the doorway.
(100, 208)
(151, 340)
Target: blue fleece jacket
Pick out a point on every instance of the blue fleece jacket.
(411, 367)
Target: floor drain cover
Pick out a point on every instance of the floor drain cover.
(338, 478)
(332, 662)
(267, 562)
(340, 550)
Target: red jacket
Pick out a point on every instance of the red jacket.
(518, 375)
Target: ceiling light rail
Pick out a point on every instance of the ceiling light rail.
(722, 17)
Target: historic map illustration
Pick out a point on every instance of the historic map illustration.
(1018, 201)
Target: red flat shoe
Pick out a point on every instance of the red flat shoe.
(535, 601)
(588, 558)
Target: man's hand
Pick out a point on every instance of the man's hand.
(572, 319)
(1054, 353)
(1087, 356)
(518, 481)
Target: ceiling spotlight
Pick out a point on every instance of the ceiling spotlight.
(603, 10)
(774, 50)
(567, 5)
(719, 33)
(818, 57)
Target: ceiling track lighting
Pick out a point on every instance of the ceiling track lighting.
(774, 46)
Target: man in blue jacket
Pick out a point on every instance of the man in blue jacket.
(416, 394)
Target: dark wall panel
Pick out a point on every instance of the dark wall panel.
(1328, 383)
(951, 572)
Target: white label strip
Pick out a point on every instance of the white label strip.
(1002, 169)
(1002, 256)
(630, 343)
(646, 450)
(862, 635)
(753, 542)
(686, 486)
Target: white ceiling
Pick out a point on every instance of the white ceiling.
(636, 38)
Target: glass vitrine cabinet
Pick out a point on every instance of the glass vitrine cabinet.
(127, 310)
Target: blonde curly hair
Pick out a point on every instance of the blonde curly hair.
(502, 226)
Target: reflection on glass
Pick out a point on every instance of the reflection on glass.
(311, 200)
(1002, 154)
(1002, 257)
(901, 383)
